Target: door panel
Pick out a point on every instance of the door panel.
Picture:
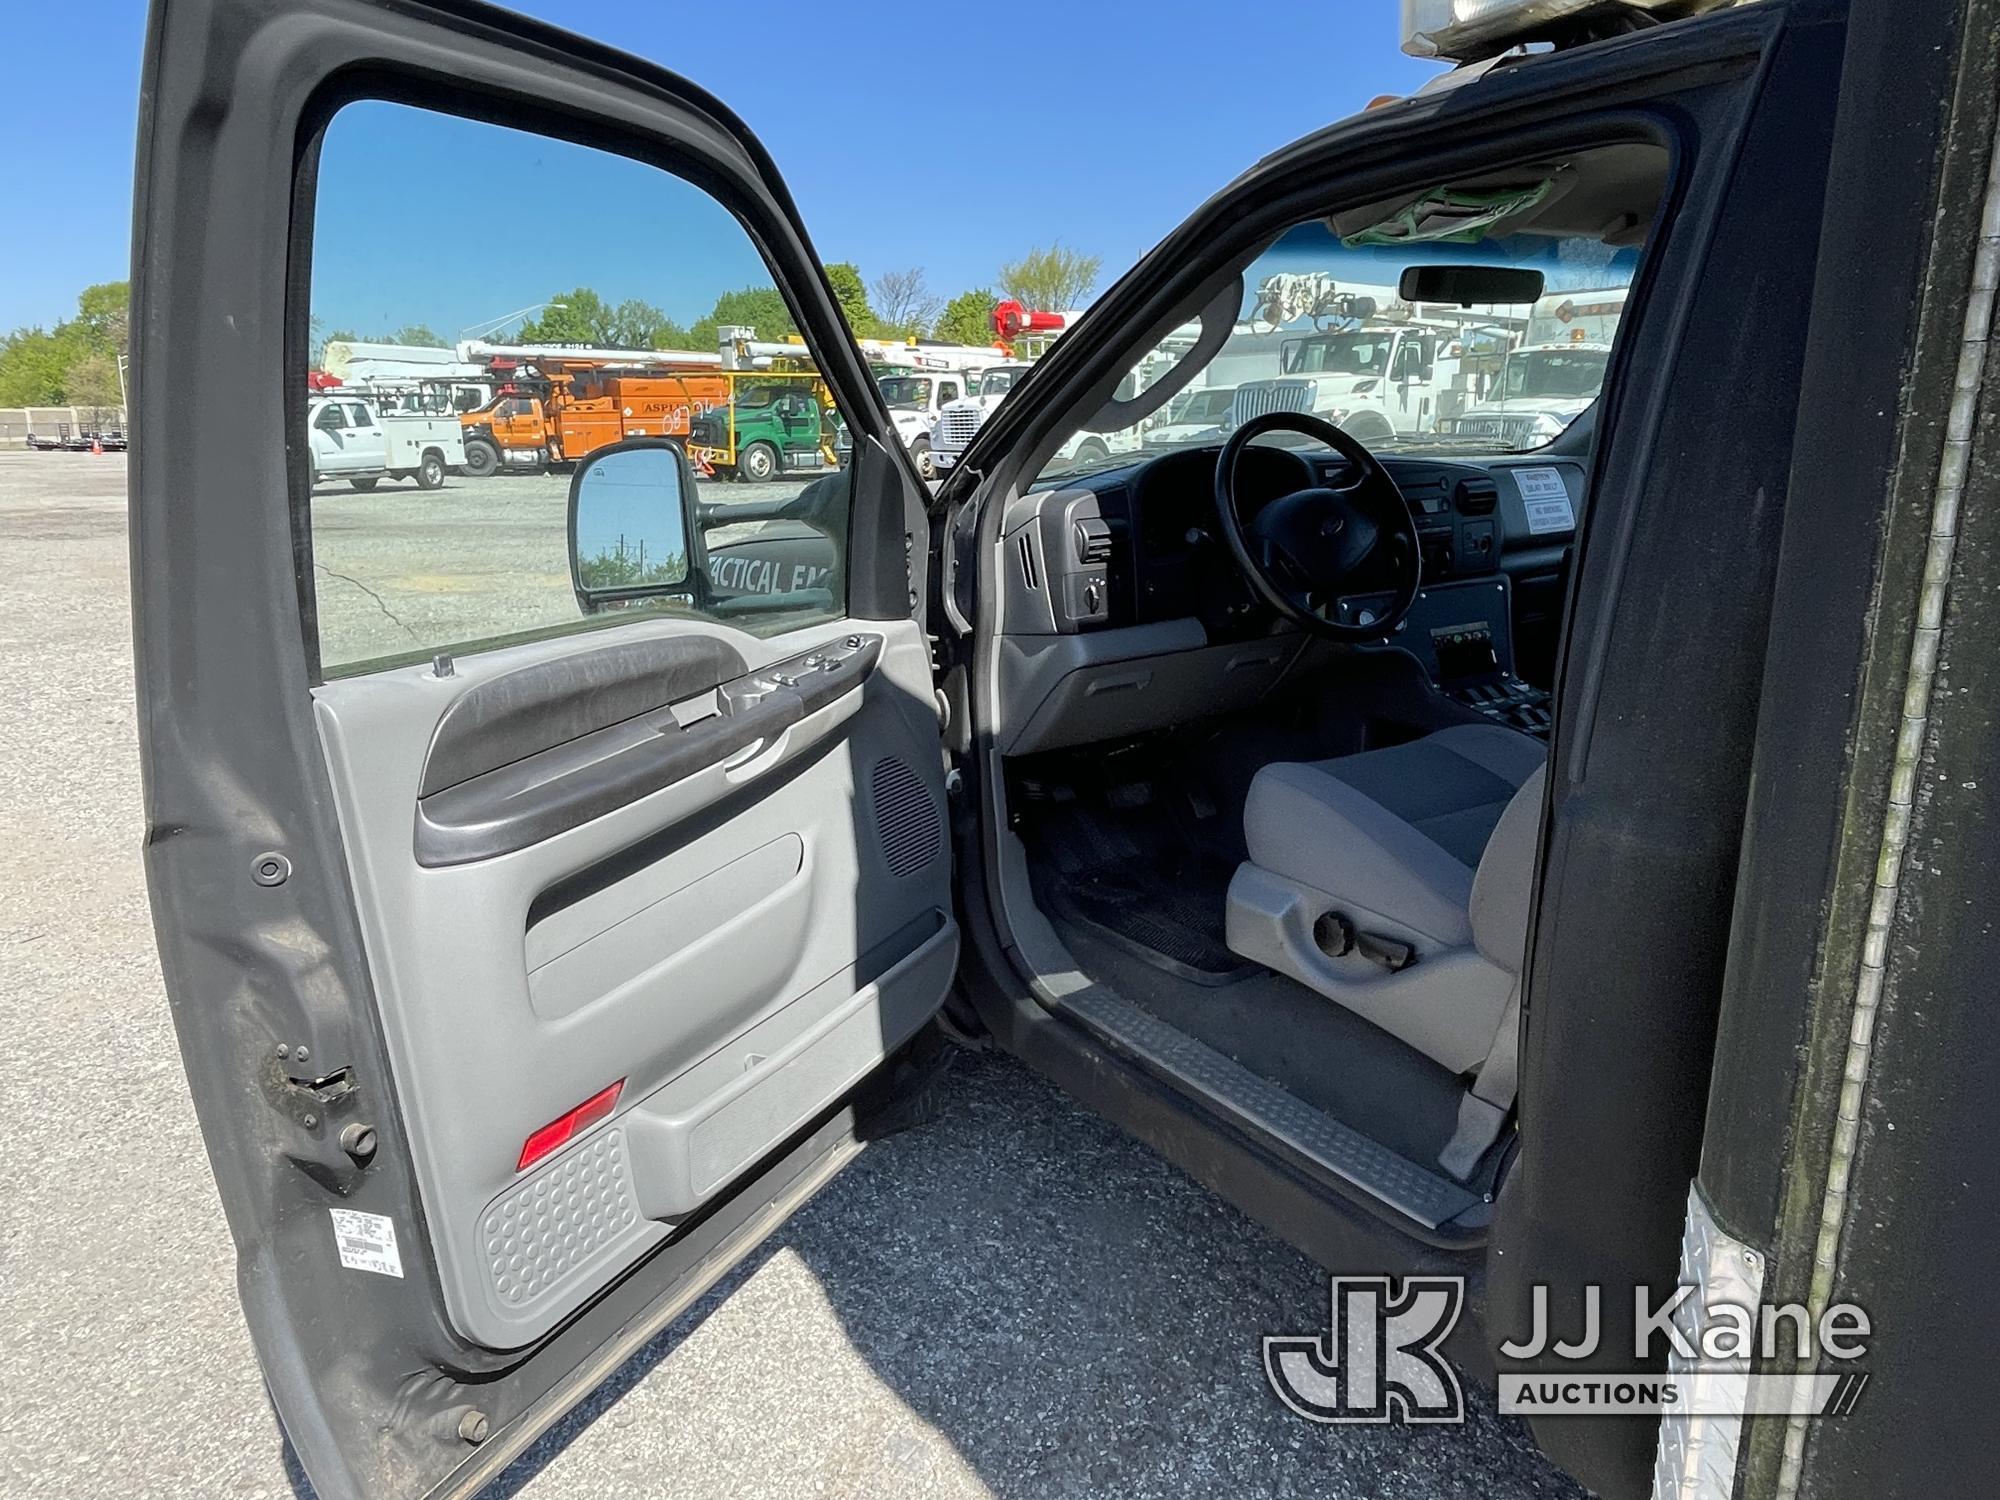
(693, 945)
(599, 929)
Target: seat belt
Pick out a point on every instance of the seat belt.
(1482, 1113)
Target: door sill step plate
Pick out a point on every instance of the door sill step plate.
(1263, 1108)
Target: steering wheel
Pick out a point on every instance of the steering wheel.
(1300, 550)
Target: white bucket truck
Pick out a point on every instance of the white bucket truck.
(1546, 383)
(1377, 367)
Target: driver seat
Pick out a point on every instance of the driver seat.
(1396, 882)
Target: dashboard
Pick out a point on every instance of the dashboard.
(1123, 608)
(1141, 545)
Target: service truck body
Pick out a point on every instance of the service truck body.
(351, 440)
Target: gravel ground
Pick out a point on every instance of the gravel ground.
(402, 569)
(1014, 1301)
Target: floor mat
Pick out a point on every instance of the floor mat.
(1168, 914)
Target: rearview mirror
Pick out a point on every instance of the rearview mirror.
(631, 508)
(1469, 286)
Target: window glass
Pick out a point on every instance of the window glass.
(474, 385)
(905, 392)
(1324, 329)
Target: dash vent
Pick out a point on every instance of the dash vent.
(1029, 574)
(1477, 497)
(906, 817)
(1093, 541)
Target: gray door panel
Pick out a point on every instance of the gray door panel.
(737, 947)
(733, 936)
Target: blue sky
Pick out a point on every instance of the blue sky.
(942, 136)
(621, 227)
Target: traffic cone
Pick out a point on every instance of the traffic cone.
(97, 446)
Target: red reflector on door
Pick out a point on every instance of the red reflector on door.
(562, 1131)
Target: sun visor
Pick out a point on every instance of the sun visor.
(1458, 213)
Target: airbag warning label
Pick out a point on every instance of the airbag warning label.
(367, 1242)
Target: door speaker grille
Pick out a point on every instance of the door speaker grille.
(906, 817)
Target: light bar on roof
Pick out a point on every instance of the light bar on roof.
(1465, 30)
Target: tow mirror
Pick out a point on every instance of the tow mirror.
(631, 514)
(1469, 286)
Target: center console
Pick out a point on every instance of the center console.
(1462, 633)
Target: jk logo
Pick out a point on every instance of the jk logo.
(1378, 1362)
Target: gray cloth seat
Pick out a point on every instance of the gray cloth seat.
(1416, 843)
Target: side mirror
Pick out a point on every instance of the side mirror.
(631, 515)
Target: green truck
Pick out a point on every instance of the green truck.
(771, 425)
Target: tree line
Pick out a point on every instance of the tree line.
(897, 304)
(76, 362)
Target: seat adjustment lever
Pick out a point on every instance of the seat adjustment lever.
(1337, 937)
(1391, 953)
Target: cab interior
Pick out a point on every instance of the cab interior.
(1292, 873)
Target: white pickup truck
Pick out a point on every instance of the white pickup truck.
(352, 441)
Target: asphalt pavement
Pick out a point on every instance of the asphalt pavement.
(1015, 1300)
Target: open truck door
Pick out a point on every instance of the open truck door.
(523, 978)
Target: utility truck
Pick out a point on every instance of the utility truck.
(766, 425)
(552, 406)
(918, 381)
(351, 440)
(1546, 383)
(958, 421)
(1378, 367)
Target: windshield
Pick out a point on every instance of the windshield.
(1207, 407)
(906, 392)
(1323, 329)
(1561, 374)
(1339, 354)
(998, 382)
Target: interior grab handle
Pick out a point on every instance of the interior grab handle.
(754, 728)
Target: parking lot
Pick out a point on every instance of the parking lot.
(399, 567)
(1015, 1300)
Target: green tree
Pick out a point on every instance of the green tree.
(418, 335)
(635, 324)
(578, 316)
(92, 380)
(967, 318)
(625, 565)
(32, 365)
(1052, 278)
(77, 363)
(851, 292)
(760, 307)
(104, 317)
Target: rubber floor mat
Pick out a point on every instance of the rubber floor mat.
(1168, 913)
